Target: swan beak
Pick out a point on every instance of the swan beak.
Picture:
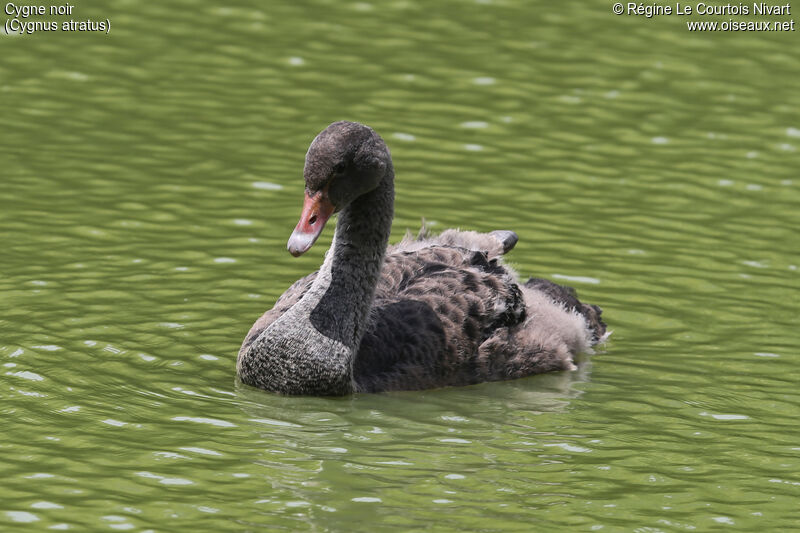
(317, 209)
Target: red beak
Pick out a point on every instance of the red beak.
(317, 209)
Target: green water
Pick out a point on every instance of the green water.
(150, 178)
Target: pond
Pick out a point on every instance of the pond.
(151, 177)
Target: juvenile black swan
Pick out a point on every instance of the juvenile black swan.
(427, 312)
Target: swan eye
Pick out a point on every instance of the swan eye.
(338, 168)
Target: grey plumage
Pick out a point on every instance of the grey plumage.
(430, 311)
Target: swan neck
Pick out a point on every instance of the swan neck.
(352, 266)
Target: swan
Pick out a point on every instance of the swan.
(430, 311)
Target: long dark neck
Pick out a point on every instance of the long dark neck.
(310, 349)
(345, 286)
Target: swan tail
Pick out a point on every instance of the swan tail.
(568, 298)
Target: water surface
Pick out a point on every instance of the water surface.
(152, 176)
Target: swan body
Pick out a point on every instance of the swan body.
(428, 312)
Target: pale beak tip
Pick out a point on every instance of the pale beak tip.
(299, 243)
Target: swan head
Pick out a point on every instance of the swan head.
(345, 161)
